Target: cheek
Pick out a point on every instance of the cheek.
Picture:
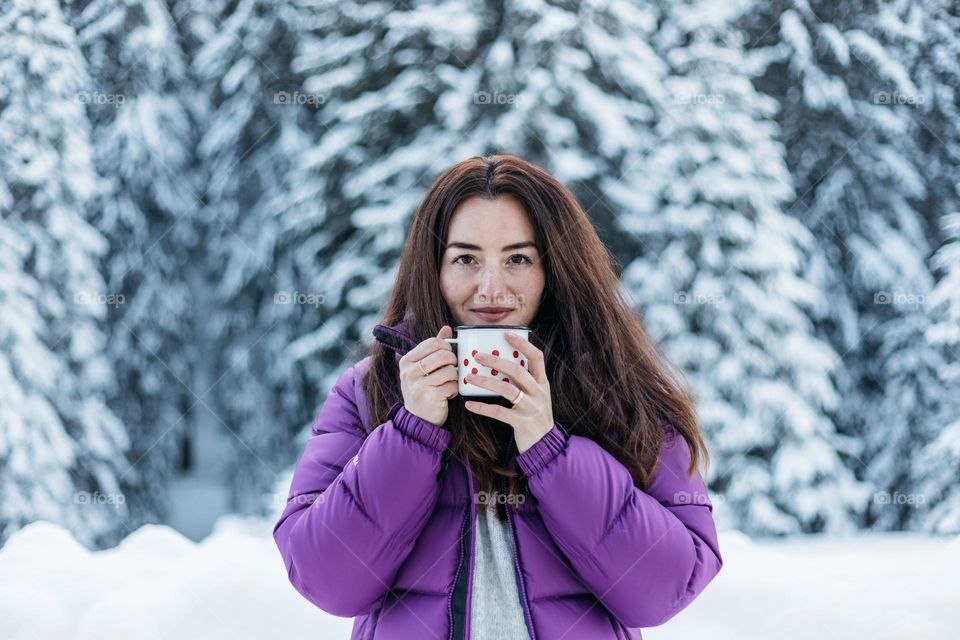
(450, 287)
(533, 286)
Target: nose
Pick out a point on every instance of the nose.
(490, 288)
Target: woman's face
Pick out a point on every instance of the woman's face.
(490, 262)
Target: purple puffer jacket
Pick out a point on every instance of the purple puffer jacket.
(381, 527)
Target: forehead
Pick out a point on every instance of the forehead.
(490, 223)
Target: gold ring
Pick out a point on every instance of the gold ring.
(519, 397)
(420, 362)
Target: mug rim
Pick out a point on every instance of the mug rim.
(492, 326)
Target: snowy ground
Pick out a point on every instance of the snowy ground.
(157, 585)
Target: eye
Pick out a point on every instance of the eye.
(523, 259)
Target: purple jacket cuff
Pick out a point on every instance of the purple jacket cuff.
(418, 429)
(543, 451)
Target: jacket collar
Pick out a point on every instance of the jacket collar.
(398, 337)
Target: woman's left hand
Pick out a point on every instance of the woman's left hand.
(532, 417)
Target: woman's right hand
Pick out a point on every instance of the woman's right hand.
(427, 396)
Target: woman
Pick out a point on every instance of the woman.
(572, 508)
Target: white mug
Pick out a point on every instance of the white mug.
(488, 339)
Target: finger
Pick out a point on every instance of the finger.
(505, 389)
(439, 377)
(534, 356)
(423, 349)
(451, 389)
(427, 347)
(439, 359)
(517, 374)
(494, 411)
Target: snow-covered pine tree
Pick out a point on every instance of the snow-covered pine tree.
(138, 102)
(913, 393)
(933, 48)
(840, 73)
(62, 449)
(731, 286)
(936, 470)
(936, 71)
(252, 137)
(410, 92)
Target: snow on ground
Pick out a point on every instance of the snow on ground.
(157, 585)
(876, 586)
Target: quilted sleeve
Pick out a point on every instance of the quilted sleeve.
(357, 504)
(645, 554)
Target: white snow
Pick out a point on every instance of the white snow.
(157, 584)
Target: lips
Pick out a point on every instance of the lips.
(492, 314)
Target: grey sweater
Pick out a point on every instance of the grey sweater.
(495, 609)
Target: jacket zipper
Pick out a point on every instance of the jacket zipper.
(455, 609)
(461, 589)
(516, 570)
(458, 603)
(469, 560)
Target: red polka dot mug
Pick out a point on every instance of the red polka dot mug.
(487, 338)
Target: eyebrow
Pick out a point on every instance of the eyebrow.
(509, 247)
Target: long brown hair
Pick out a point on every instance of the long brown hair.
(609, 380)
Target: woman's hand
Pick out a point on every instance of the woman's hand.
(532, 417)
(427, 396)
